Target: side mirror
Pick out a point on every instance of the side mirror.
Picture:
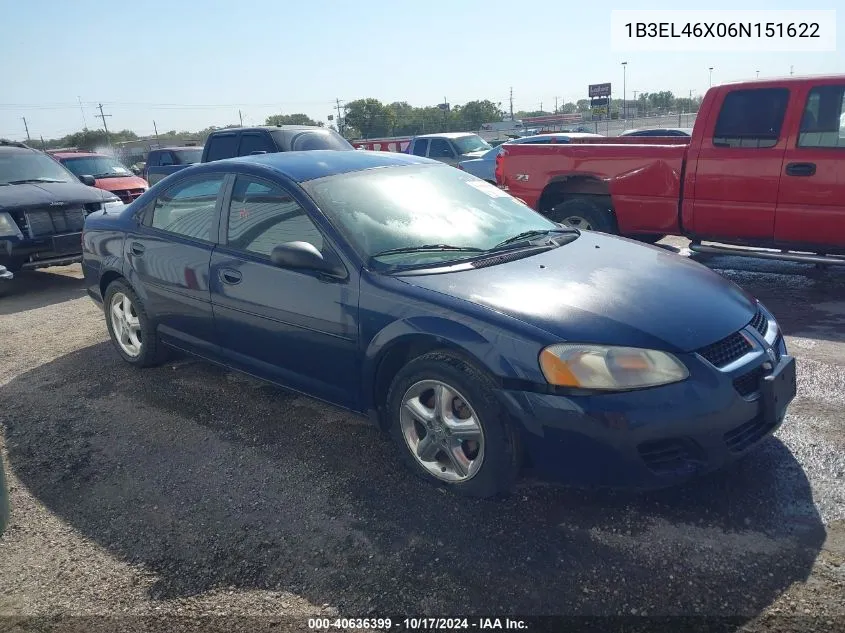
(87, 180)
(305, 256)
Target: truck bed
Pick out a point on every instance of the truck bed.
(643, 176)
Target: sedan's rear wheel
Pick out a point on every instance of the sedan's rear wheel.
(130, 329)
(450, 427)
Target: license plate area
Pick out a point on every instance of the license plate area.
(778, 389)
(68, 243)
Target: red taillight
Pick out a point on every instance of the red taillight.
(500, 169)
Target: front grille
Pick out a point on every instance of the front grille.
(670, 456)
(748, 434)
(724, 352)
(760, 322)
(43, 222)
(749, 382)
(128, 195)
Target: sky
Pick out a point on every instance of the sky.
(189, 64)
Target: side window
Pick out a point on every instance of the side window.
(823, 121)
(440, 148)
(420, 147)
(165, 159)
(189, 207)
(222, 146)
(253, 142)
(751, 118)
(263, 215)
(152, 159)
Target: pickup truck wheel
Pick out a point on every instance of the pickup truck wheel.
(584, 213)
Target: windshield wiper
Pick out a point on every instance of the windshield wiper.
(28, 180)
(428, 247)
(525, 235)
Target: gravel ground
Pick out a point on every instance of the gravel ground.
(187, 490)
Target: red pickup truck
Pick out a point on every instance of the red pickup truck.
(764, 167)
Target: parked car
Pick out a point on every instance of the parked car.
(763, 168)
(42, 209)
(484, 166)
(166, 160)
(450, 148)
(246, 141)
(659, 131)
(108, 173)
(474, 330)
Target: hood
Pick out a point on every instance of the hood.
(603, 289)
(34, 194)
(121, 184)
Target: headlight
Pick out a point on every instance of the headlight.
(8, 228)
(609, 368)
(112, 205)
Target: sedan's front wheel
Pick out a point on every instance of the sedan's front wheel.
(450, 428)
(129, 326)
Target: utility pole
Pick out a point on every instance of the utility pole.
(758, 74)
(541, 107)
(556, 105)
(711, 76)
(625, 90)
(43, 144)
(155, 129)
(511, 103)
(82, 110)
(790, 70)
(105, 127)
(26, 127)
(340, 121)
(241, 117)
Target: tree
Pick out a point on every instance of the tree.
(569, 108)
(370, 117)
(473, 114)
(290, 119)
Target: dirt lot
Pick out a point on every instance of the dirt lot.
(189, 490)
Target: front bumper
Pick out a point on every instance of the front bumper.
(54, 250)
(652, 437)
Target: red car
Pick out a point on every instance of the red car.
(108, 173)
(763, 168)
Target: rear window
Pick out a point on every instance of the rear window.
(188, 156)
(319, 140)
(823, 120)
(751, 118)
(222, 146)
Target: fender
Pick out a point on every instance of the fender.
(431, 332)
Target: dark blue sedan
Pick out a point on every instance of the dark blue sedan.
(479, 334)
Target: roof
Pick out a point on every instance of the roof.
(447, 135)
(269, 128)
(779, 81)
(313, 164)
(77, 154)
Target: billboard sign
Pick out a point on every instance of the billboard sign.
(599, 90)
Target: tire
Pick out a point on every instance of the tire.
(151, 351)
(492, 463)
(648, 238)
(592, 216)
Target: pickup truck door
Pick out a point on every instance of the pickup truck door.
(811, 199)
(738, 166)
(441, 149)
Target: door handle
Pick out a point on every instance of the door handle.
(229, 276)
(800, 169)
(137, 248)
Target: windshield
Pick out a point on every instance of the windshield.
(472, 143)
(97, 166)
(27, 166)
(410, 206)
(188, 156)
